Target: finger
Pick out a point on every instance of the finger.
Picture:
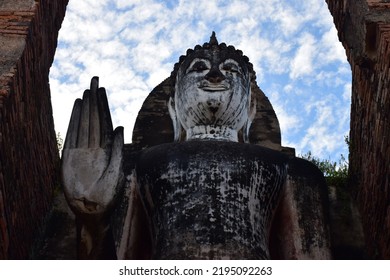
(94, 84)
(83, 135)
(94, 122)
(105, 119)
(73, 128)
(116, 152)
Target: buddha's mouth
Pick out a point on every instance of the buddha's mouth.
(214, 88)
(207, 86)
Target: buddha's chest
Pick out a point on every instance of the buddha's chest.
(213, 193)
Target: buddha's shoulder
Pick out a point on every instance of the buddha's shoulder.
(213, 150)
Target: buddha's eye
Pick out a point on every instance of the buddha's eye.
(198, 66)
(231, 67)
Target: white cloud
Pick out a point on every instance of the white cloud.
(302, 63)
(132, 46)
(347, 92)
(237, 9)
(331, 48)
(289, 121)
(320, 141)
(289, 20)
(325, 135)
(122, 4)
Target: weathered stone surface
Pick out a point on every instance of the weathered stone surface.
(301, 224)
(211, 199)
(91, 169)
(29, 28)
(207, 194)
(346, 225)
(28, 150)
(364, 30)
(59, 237)
(154, 125)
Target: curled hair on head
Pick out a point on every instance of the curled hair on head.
(212, 45)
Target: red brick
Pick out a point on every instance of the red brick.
(370, 114)
(28, 151)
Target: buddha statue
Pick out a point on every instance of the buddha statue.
(203, 186)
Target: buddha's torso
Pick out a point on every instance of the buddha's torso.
(200, 196)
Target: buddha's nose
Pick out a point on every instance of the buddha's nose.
(214, 76)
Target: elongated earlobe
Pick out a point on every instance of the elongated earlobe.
(251, 117)
(175, 120)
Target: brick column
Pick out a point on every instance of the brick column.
(28, 151)
(364, 30)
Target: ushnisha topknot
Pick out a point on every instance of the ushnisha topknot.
(213, 45)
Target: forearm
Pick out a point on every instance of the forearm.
(94, 238)
(92, 172)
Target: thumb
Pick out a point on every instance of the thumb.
(115, 165)
(114, 172)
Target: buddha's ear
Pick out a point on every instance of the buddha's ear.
(251, 116)
(175, 120)
(252, 106)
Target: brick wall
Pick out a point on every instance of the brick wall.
(28, 151)
(364, 30)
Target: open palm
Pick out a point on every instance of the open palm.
(92, 155)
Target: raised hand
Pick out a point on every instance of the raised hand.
(92, 155)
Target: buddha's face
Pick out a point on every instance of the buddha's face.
(213, 89)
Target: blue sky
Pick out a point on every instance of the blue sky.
(132, 46)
